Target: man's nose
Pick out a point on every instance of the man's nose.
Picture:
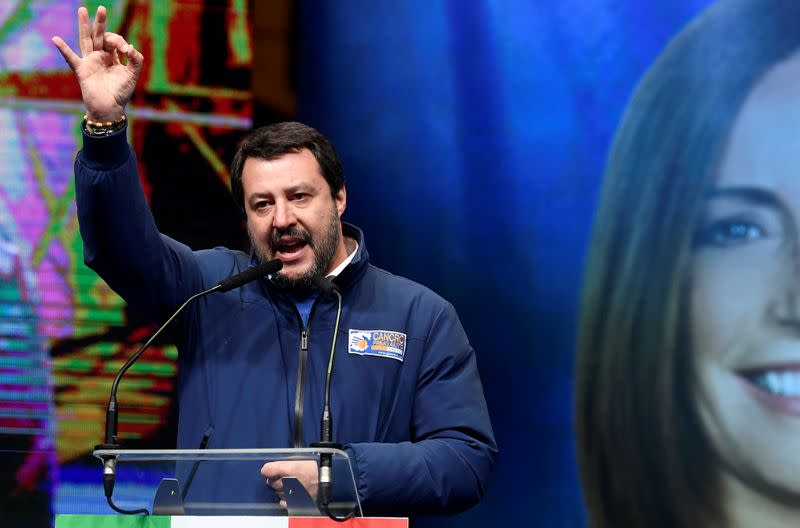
(284, 215)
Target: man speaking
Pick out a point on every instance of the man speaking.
(406, 398)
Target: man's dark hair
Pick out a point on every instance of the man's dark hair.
(272, 141)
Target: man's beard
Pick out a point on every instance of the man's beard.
(324, 248)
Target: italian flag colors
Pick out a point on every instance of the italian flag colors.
(156, 521)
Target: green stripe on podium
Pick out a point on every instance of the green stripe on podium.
(112, 521)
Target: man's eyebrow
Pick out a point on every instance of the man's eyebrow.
(299, 187)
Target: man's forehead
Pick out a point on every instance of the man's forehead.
(301, 158)
(290, 172)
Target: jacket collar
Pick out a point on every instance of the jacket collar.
(358, 266)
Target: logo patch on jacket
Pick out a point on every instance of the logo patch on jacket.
(382, 343)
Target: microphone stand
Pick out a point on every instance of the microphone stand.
(325, 490)
(112, 412)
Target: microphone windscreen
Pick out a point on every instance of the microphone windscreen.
(250, 274)
(324, 284)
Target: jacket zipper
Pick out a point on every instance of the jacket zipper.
(299, 392)
(302, 362)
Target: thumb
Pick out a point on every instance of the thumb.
(274, 470)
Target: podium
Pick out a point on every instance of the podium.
(223, 487)
(154, 521)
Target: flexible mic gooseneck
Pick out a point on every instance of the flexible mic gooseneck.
(112, 412)
(325, 489)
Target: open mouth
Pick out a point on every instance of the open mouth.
(289, 246)
(782, 382)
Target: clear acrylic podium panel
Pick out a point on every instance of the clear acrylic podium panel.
(221, 481)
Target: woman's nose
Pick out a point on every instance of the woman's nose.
(786, 305)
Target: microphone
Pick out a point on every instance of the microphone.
(325, 487)
(325, 285)
(112, 413)
(248, 275)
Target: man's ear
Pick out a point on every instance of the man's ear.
(341, 200)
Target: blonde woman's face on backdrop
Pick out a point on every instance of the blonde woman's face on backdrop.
(745, 294)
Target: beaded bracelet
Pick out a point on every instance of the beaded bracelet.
(97, 128)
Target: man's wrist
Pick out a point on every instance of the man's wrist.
(103, 128)
(102, 118)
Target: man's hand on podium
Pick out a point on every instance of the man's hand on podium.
(306, 471)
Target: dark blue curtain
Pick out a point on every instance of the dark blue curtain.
(473, 136)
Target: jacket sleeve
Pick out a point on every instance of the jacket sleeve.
(152, 272)
(446, 465)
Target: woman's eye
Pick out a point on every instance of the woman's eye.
(729, 232)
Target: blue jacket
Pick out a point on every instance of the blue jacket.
(416, 426)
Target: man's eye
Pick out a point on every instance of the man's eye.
(261, 205)
(300, 196)
(729, 232)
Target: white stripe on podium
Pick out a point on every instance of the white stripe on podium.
(215, 521)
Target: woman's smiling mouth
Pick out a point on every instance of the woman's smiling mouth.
(776, 386)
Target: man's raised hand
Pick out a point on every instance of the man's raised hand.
(106, 83)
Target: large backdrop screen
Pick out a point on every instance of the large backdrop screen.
(63, 332)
